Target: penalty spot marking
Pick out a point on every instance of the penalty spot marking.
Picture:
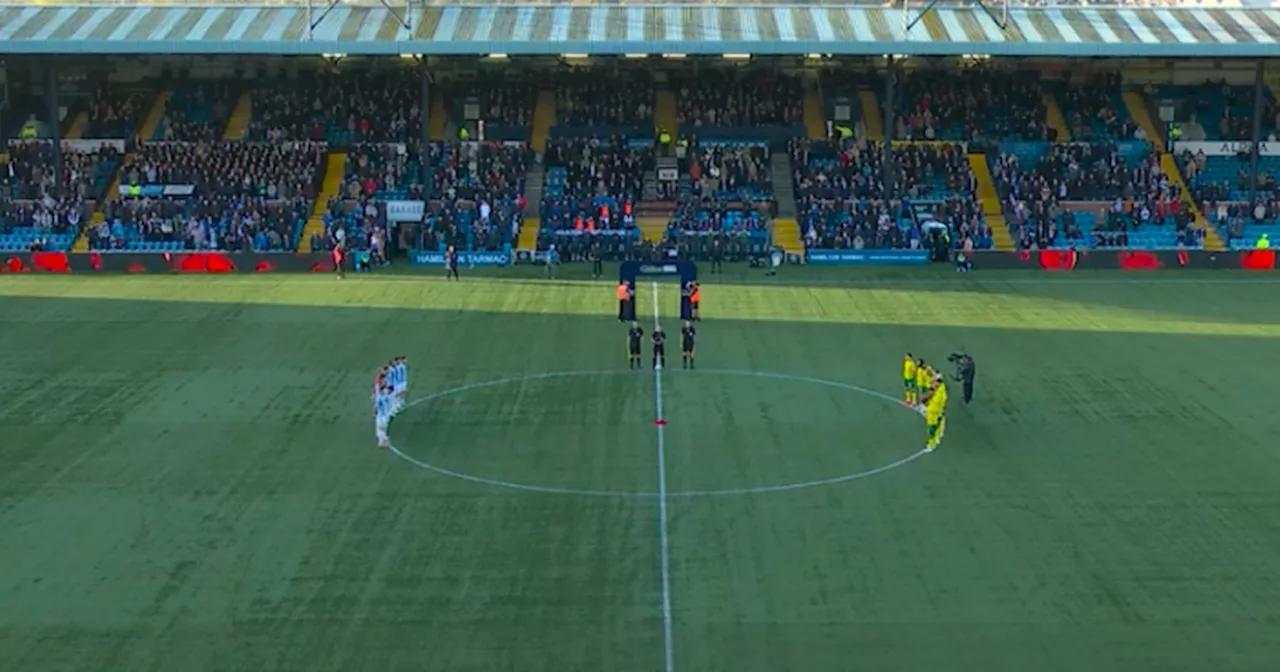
(730, 492)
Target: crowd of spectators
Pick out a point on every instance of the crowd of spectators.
(116, 113)
(507, 103)
(1236, 218)
(597, 183)
(976, 104)
(197, 112)
(282, 171)
(230, 196)
(833, 171)
(1083, 172)
(740, 99)
(596, 98)
(388, 171)
(42, 217)
(478, 193)
(30, 173)
(729, 171)
(342, 109)
(593, 168)
(1139, 193)
(218, 221)
(1094, 111)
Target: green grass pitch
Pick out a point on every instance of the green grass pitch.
(188, 477)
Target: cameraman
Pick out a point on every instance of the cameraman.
(965, 371)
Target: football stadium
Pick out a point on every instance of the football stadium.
(360, 336)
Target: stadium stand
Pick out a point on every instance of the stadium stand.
(197, 112)
(976, 105)
(116, 113)
(340, 108)
(234, 196)
(841, 198)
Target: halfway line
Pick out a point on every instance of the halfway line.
(663, 534)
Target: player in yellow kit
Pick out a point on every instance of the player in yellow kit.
(924, 379)
(935, 414)
(910, 392)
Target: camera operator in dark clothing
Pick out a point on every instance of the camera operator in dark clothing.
(965, 371)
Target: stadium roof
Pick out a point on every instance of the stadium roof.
(603, 28)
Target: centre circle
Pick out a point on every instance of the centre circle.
(812, 432)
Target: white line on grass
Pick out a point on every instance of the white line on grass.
(663, 534)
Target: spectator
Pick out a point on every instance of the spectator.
(976, 105)
(115, 113)
(594, 98)
(716, 99)
(342, 109)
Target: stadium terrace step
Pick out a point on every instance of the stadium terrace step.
(528, 234)
(786, 234)
(334, 172)
(544, 117)
(990, 201)
(1000, 235)
(815, 118)
(535, 190)
(664, 112)
(652, 228)
(439, 120)
(1054, 117)
(240, 118)
(155, 116)
(784, 190)
(871, 116)
(75, 130)
(1212, 239)
(1137, 107)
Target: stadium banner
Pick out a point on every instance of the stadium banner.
(867, 257)
(1165, 261)
(1227, 148)
(430, 258)
(668, 174)
(156, 190)
(612, 233)
(406, 211)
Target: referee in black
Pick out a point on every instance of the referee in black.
(597, 260)
(965, 371)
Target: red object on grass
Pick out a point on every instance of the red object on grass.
(660, 422)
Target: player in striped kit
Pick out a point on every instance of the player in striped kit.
(383, 408)
(398, 373)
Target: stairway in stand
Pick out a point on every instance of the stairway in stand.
(786, 230)
(871, 116)
(815, 117)
(664, 112)
(1137, 107)
(1212, 237)
(534, 183)
(241, 115)
(335, 171)
(439, 119)
(652, 228)
(75, 130)
(990, 201)
(146, 131)
(544, 117)
(1054, 117)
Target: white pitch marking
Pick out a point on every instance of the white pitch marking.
(731, 492)
(663, 532)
